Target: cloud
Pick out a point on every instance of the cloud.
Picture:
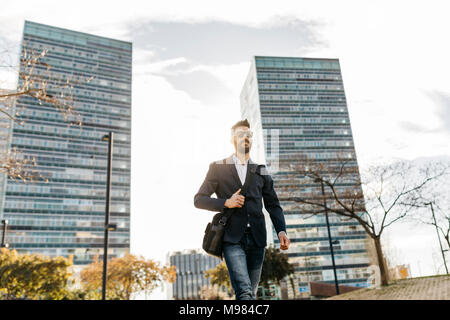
(202, 86)
(416, 128)
(442, 100)
(141, 66)
(219, 42)
(200, 58)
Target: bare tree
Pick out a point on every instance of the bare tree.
(441, 221)
(434, 210)
(36, 80)
(386, 194)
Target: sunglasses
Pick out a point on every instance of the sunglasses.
(241, 134)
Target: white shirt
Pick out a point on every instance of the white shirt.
(240, 168)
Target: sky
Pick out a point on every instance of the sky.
(190, 61)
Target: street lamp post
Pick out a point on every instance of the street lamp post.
(108, 226)
(439, 238)
(5, 227)
(329, 236)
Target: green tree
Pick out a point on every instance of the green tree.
(275, 268)
(79, 294)
(31, 276)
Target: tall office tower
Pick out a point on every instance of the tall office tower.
(191, 266)
(297, 109)
(66, 215)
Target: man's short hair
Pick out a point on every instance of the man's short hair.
(242, 123)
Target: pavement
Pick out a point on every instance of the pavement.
(423, 288)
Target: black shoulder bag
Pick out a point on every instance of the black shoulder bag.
(213, 238)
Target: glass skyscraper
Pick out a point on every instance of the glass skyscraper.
(66, 215)
(297, 107)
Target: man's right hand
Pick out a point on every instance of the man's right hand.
(236, 200)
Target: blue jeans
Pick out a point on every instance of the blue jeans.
(244, 262)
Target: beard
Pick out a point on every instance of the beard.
(245, 148)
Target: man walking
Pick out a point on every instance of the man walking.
(245, 232)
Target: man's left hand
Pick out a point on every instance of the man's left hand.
(284, 240)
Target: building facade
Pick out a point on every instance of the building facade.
(191, 266)
(65, 215)
(297, 108)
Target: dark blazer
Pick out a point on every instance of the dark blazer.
(223, 180)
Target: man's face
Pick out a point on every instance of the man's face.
(242, 139)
